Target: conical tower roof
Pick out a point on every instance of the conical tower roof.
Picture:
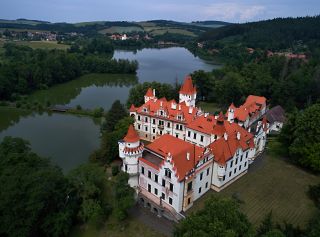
(132, 135)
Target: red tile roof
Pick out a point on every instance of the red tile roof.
(154, 105)
(132, 135)
(224, 149)
(187, 87)
(178, 149)
(149, 92)
(249, 108)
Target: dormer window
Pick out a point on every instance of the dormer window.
(161, 112)
(145, 110)
(167, 173)
(179, 117)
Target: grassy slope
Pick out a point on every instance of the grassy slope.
(43, 44)
(274, 185)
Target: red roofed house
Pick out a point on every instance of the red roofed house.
(159, 116)
(248, 113)
(191, 151)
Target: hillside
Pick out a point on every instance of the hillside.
(277, 34)
(153, 27)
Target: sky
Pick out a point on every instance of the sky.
(139, 10)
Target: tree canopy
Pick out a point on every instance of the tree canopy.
(34, 197)
(220, 217)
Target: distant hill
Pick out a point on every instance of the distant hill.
(276, 34)
(211, 24)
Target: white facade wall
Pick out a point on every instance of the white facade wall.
(202, 181)
(276, 126)
(233, 167)
(199, 138)
(190, 100)
(176, 195)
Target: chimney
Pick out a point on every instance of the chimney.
(154, 92)
(190, 109)
(161, 103)
(238, 135)
(206, 115)
(179, 107)
(188, 156)
(225, 135)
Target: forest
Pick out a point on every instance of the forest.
(23, 70)
(275, 34)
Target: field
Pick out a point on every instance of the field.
(120, 29)
(163, 30)
(37, 44)
(43, 44)
(274, 185)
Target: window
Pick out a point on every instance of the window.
(171, 187)
(240, 167)
(208, 170)
(156, 191)
(199, 190)
(160, 132)
(189, 186)
(126, 167)
(247, 154)
(245, 164)
(194, 135)
(146, 129)
(201, 138)
(235, 170)
(237, 160)
(153, 121)
(146, 119)
(139, 126)
(241, 157)
(168, 173)
(149, 188)
(224, 178)
(161, 112)
(189, 133)
(156, 178)
(163, 196)
(163, 183)
(170, 200)
(149, 174)
(139, 118)
(229, 173)
(201, 176)
(142, 169)
(168, 125)
(206, 184)
(231, 164)
(189, 200)
(177, 135)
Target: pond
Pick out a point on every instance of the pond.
(68, 139)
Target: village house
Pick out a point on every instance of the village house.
(190, 151)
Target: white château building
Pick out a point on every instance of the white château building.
(190, 151)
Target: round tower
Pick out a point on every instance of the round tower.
(130, 150)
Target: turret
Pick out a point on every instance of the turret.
(188, 92)
(150, 94)
(231, 113)
(130, 150)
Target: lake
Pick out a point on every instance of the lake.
(68, 139)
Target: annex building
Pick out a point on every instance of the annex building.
(191, 151)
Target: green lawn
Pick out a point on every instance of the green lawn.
(209, 107)
(273, 185)
(130, 227)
